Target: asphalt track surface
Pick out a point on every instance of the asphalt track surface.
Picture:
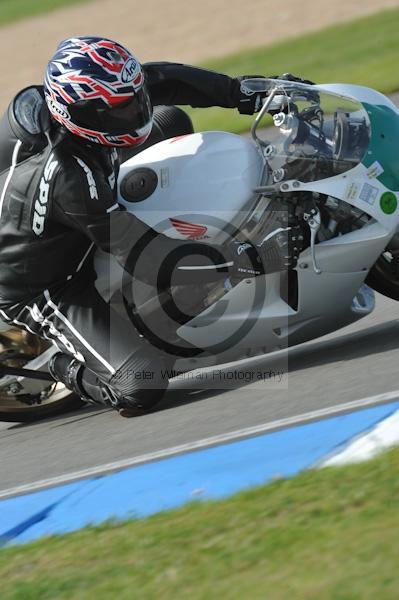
(357, 362)
(360, 361)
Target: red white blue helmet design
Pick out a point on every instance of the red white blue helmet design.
(95, 88)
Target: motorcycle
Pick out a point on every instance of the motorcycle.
(322, 157)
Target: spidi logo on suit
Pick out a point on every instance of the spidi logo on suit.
(40, 210)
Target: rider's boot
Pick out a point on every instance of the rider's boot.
(68, 370)
(85, 383)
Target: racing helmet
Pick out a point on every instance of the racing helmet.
(96, 89)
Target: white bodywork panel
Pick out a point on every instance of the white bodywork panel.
(204, 178)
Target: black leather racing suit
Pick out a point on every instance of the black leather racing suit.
(57, 203)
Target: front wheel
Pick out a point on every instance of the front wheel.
(384, 275)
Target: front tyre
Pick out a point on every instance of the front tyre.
(384, 275)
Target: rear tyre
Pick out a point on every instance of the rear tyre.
(17, 348)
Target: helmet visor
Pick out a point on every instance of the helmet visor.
(124, 118)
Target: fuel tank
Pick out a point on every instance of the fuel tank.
(194, 186)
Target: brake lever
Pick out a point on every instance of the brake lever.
(313, 219)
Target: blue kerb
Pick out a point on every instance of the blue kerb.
(211, 473)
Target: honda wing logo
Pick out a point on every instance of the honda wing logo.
(191, 231)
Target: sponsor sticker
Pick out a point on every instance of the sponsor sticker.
(352, 191)
(368, 193)
(375, 170)
(388, 203)
(164, 178)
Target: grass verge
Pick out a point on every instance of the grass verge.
(16, 10)
(331, 534)
(364, 52)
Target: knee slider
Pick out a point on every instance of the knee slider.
(140, 382)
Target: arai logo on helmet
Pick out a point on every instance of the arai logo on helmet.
(55, 107)
(130, 70)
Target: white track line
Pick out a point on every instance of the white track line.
(198, 444)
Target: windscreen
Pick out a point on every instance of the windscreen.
(311, 134)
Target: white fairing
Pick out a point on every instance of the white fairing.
(205, 179)
(208, 180)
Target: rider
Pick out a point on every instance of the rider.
(60, 148)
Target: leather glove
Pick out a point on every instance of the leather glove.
(249, 102)
(278, 251)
